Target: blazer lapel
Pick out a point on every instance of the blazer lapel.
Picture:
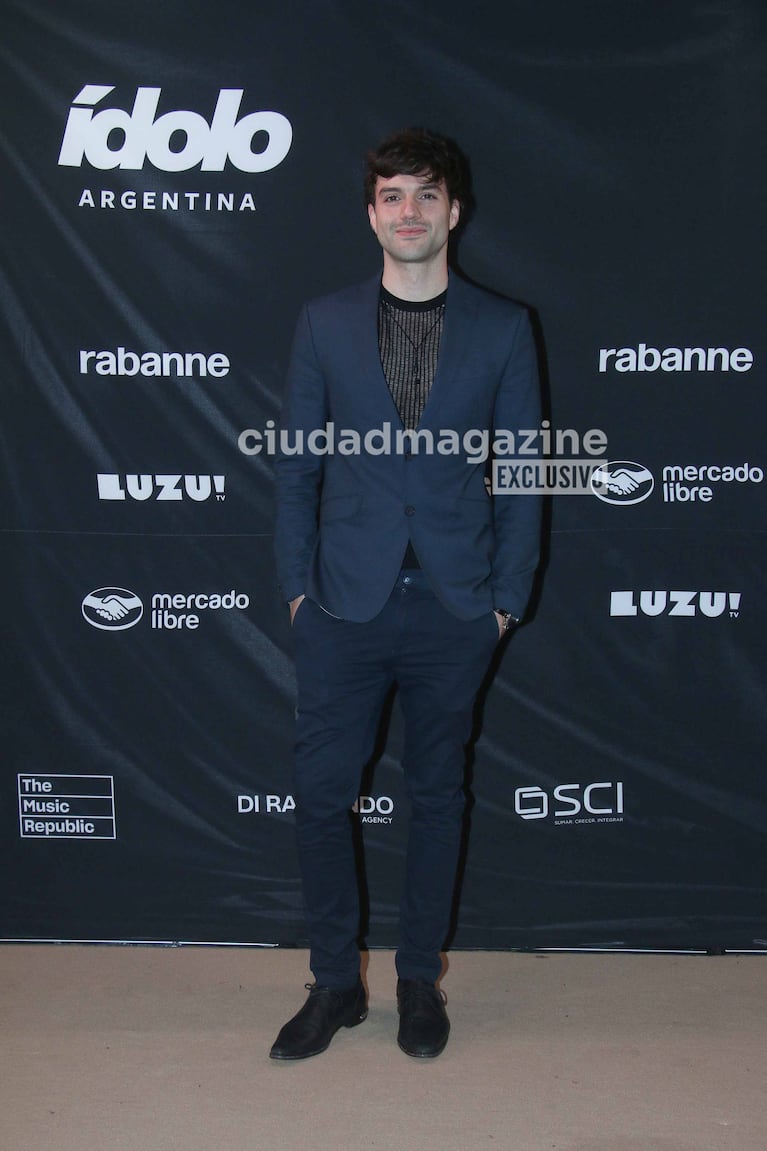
(367, 354)
(455, 335)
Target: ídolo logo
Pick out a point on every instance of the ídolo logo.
(87, 136)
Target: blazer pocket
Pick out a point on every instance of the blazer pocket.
(478, 507)
(339, 508)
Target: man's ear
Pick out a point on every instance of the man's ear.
(372, 216)
(455, 214)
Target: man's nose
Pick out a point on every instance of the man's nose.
(409, 209)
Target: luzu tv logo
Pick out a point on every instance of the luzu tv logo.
(685, 604)
(175, 141)
(166, 487)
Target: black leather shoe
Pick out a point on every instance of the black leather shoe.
(423, 1022)
(325, 1011)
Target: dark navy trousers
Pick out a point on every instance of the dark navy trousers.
(344, 672)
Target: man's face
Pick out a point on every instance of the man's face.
(412, 217)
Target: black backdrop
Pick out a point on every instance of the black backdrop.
(618, 786)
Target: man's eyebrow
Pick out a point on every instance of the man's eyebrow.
(429, 185)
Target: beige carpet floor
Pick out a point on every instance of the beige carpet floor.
(163, 1049)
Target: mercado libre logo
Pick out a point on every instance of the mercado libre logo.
(622, 482)
(626, 482)
(112, 609)
(117, 609)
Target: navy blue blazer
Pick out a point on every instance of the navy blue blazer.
(344, 517)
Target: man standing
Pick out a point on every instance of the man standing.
(398, 567)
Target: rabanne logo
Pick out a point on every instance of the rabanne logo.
(175, 141)
(645, 358)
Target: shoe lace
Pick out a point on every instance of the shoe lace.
(319, 990)
(421, 997)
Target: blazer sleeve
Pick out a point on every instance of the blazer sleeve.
(298, 472)
(517, 516)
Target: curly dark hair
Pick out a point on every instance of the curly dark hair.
(419, 152)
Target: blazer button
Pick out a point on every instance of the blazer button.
(409, 510)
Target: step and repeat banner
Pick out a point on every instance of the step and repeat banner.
(178, 180)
